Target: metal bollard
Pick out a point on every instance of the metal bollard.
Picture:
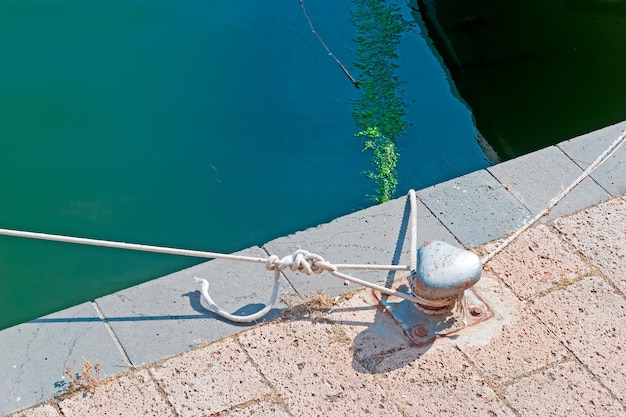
(443, 273)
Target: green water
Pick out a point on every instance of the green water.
(535, 72)
(199, 124)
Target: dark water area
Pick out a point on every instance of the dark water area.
(192, 124)
(534, 73)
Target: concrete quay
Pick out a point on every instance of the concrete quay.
(554, 345)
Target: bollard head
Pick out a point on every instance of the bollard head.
(444, 271)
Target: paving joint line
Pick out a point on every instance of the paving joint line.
(284, 276)
(590, 176)
(597, 272)
(597, 379)
(55, 404)
(116, 340)
(160, 388)
(445, 226)
(572, 357)
(507, 188)
(274, 399)
(594, 270)
(496, 387)
(567, 359)
(275, 393)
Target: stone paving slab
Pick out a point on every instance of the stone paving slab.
(589, 317)
(310, 364)
(443, 383)
(536, 178)
(33, 355)
(586, 148)
(376, 235)
(599, 233)
(210, 380)
(536, 262)
(131, 395)
(520, 347)
(164, 317)
(476, 208)
(578, 394)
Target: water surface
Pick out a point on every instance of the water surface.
(535, 72)
(196, 124)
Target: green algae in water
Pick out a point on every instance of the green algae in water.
(379, 113)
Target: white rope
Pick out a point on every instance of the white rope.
(128, 246)
(301, 261)
(413, 200)
(232, 317)
(172, 251)
(600, 160)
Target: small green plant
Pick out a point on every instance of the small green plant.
(385, 159)
(84, 380)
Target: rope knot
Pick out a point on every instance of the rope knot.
(300, 261)
(272, 262)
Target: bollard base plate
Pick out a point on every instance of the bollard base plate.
(423, 328)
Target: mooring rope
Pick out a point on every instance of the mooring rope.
(413, 200)
(310, 263)
(300, 261)
(169, 250)
(307, 263)
(319, 38)
(599, 161)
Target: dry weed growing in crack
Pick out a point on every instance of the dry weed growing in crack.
(316, 306)
(83, 380)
